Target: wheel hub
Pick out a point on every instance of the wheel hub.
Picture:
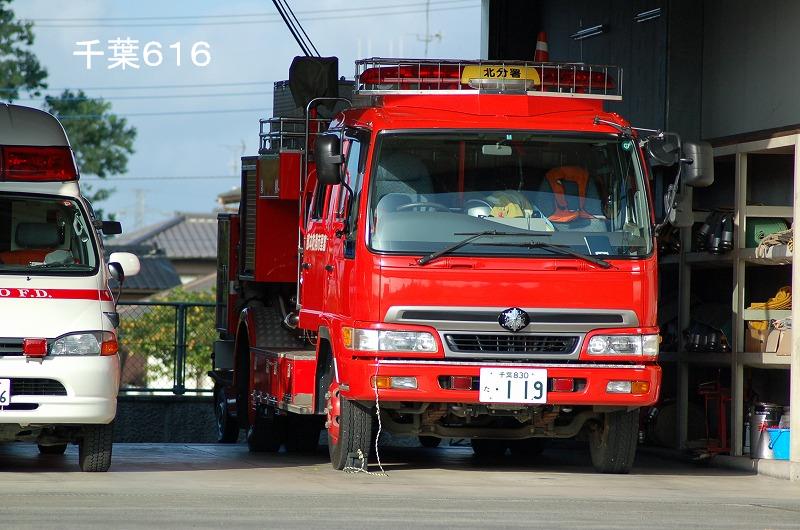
(333, 412)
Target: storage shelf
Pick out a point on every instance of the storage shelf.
(768, 211)
(699, 259)
(764, 360)
(767, 314)
(776, 255)
(698, 358)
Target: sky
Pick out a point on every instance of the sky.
(196, 121)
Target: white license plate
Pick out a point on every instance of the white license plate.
(513, 385)
(5, 392)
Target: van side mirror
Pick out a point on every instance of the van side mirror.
(663, 149)
(122, 265)
(111, 228)
(328, 158)
(698, 164)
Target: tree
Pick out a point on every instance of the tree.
(147, 338)
(19, 67)
(101, 140)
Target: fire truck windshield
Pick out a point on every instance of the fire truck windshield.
(586, 192)
(44, 234)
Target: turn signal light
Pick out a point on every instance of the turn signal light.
(640, 387)
(395, 383)
(34, 347)
(110, 345)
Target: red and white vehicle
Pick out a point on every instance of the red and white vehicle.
(59, 368)
(477, 260)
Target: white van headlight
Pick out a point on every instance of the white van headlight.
(86, 343)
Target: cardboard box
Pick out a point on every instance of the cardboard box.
(779, 342)
(755, 340)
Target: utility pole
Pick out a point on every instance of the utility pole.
(138, 218)
(428, 38)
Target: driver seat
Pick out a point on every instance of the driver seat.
(34, 242)
(401, 179)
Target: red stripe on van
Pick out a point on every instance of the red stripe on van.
(59, 294)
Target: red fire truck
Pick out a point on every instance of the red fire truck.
(459, 249)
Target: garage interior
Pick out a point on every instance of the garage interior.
(722, 72)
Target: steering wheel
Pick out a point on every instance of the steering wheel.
(434, 205)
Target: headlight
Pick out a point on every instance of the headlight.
(92, 343)
(384, 340)
(640, 345)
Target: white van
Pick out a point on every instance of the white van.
(59, 368)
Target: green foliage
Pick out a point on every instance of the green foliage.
(19, 67)
(147, 341)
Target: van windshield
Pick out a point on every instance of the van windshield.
(585, 194)
(44, 234)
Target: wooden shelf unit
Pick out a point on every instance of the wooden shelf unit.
(739, 259)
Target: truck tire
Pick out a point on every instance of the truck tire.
(349, 431)
(488, 449)
(302, 434)
(57, 449)
(613, 443)
(266, 435)
(431, 442)
(227, 425)
(94, 448)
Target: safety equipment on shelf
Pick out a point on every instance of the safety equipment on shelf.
(704, 338)
(715, 235)
(781, 300)
(669, 242)
(784, 237)
(759, 228)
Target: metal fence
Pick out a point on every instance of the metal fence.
(165, 347)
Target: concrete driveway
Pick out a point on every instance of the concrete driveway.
(214, 486)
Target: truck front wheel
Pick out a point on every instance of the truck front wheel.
(349, 431)
(94, 448)
(612, 443)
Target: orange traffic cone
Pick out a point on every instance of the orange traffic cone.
(542, 54)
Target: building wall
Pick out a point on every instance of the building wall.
(750, 66)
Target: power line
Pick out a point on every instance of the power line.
(265, 21)
(150, 87)
(163, 113)
(160, 96)
(174, 177)
(242, 15)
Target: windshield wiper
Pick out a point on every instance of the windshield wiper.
(558, 249)
(472, 237)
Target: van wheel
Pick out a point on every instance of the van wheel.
(94, 448)
(227, 425)
(266, 435)
(349, 431)
(613, 443)
(57, 449)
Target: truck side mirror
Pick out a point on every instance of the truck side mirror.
(663, 149)
(328, 158)
(122, 265)
(698, 160)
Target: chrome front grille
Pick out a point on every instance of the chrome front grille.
(477, 343)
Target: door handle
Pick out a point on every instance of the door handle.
(329, 268)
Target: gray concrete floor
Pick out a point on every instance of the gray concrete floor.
(214, 486)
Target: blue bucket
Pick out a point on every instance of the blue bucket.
(779, 443)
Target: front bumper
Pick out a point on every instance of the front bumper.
(359, 373)
(90, 384)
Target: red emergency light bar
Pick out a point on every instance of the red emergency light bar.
(37, 164)
(380, 75)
